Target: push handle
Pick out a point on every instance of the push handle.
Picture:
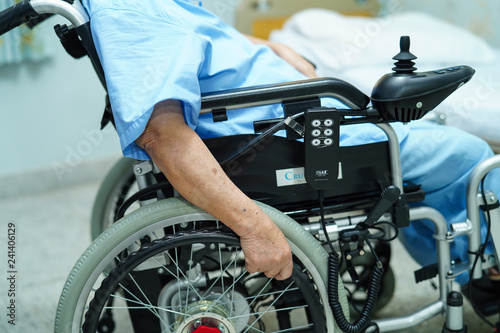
(16, 15)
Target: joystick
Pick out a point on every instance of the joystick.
(404, 63)
(407, 95)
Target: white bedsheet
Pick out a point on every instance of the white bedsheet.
(359, 51)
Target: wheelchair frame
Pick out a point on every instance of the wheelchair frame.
(447, 270)
(79, 279)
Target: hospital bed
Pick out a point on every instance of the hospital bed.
(354, 41)
(185, 270)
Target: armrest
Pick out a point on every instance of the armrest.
(277, 93)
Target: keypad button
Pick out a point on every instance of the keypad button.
(316, 123)
(328, 122)
(316, 132)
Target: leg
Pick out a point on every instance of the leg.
(440, 158)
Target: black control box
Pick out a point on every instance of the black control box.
(321, 140)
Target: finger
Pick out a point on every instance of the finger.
(250, 268)
(271, 273)
(285, 272)
(307, 69)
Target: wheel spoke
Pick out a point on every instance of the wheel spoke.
(150, 307)
(143, 305)
(270, 305)
(267, 310)
(226, 290)
(220, 277)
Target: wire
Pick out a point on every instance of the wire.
(333, 281)
(321, 195)
(479, 254)
(382, 239)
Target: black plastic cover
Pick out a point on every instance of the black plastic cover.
(16, 15)
(406, 97)
(365, 171)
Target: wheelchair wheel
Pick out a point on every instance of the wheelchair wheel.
(118, 184)
(180, 295)
(144, 246)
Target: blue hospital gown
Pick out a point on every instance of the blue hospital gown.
(153, 50)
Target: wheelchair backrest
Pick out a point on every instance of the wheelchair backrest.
(273, 172)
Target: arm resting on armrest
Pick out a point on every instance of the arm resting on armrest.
(190, 167)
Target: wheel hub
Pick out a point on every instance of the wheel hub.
(214, 310)
(205, 317)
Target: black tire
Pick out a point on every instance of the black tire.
(112, 193)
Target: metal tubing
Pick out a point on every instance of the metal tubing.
(444, 265)
(442, 244)
(491, 199)
(73, 13)
(475, 178)
(142, 171)
(394, 154)
(277, 93)
(396, 324)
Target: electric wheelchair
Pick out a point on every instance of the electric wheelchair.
(168, 266)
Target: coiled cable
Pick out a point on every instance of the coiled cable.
(333, 296)
(376, 276)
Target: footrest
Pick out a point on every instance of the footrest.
(426, 273)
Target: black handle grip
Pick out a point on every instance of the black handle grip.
(388, 197)
(277, 93)
(16, 15)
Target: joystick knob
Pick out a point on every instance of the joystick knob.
(404, 63)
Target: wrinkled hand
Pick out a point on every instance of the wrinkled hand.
(267, 251)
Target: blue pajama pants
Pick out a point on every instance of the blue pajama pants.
(441, 158)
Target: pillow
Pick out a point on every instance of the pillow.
(334, 41)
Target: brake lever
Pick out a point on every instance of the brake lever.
(388, 197)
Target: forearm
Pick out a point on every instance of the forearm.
(190, 167)
(257, 40)
(289, 55)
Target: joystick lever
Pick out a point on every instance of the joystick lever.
(404, 63)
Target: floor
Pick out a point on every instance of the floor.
(52, 230)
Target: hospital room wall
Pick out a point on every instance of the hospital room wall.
(50, 118)
(51, 113)
(482, 17)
